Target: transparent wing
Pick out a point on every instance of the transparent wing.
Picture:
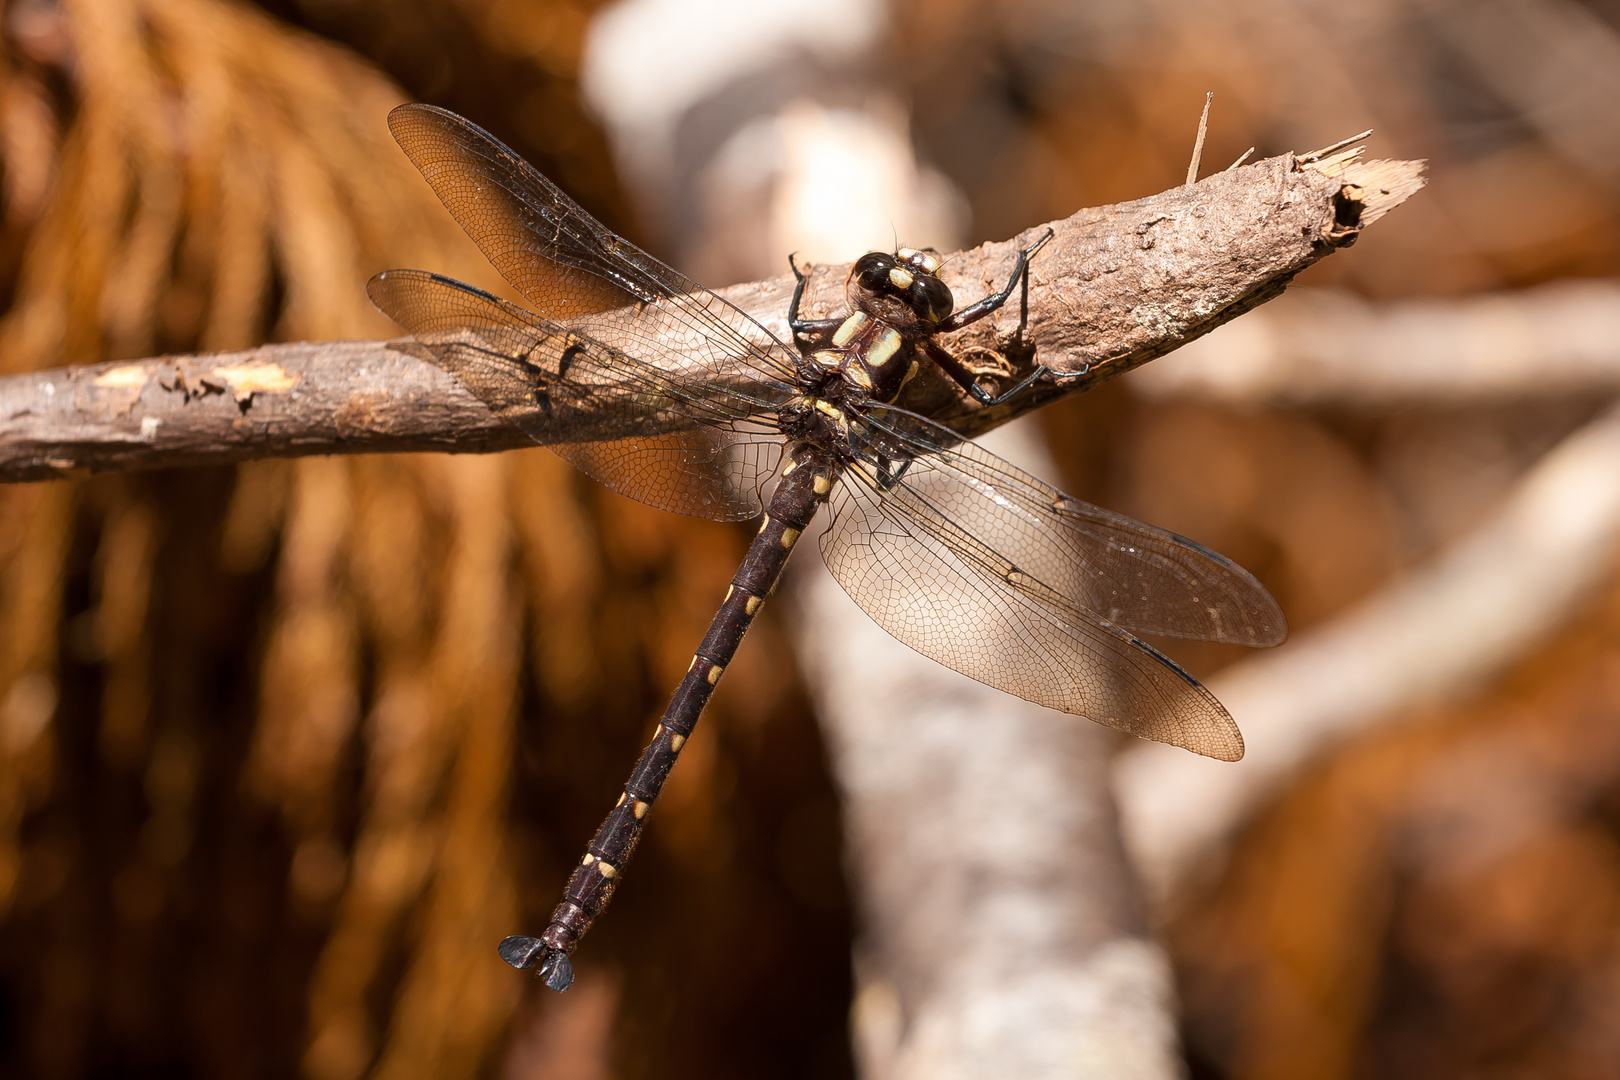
(980, 566)
(653, 434)
(1133, 575)
(570, 266)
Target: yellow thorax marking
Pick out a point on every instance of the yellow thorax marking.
(884, 346)
(911, 373)
(849, 329)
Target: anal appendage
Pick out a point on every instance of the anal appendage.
(555, 969)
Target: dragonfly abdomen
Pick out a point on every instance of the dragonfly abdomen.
(806, 483)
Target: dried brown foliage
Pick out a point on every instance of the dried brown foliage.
(1038, 106)
(1444, 901)
(261, 728)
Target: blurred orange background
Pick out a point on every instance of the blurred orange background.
(285, 748)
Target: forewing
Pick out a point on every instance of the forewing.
(1126, 573)
(652, 434)
(571, 266)
(940, 591)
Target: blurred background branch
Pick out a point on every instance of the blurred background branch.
(1447, 627)
(1324, 347)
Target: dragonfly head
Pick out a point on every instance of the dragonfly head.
(903, 289)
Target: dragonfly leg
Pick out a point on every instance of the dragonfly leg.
(984, 397)
(806, 328)
(539, 392)
(968, 380)
(974, 312)
(886, 479)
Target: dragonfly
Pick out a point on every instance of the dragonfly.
(667, 393)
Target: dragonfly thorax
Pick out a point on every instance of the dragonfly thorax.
(871, 357)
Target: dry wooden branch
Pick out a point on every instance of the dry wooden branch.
(1124, 284)
(1117, 286)
(276, 401)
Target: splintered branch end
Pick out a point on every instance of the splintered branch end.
(1198, 145)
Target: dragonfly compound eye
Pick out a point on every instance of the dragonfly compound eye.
(871, 271)
(930, 298)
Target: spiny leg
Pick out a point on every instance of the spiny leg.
(806, 327)
(1041, 371)
(959, 373)
(887, 475)
(974, 312)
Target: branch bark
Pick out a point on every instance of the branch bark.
(290, 400)
(1117, 286)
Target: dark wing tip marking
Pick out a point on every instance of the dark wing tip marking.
(1226, 745)
(379, 290)
(400, 115)
(576, 236)
(464, 287)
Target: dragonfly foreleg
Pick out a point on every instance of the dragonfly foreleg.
(807, 328)
(969, 380)
(539, 392)
(974, 312)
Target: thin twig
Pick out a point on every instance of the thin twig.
(1340, 145)
(1198, 146)
(1241, 159)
